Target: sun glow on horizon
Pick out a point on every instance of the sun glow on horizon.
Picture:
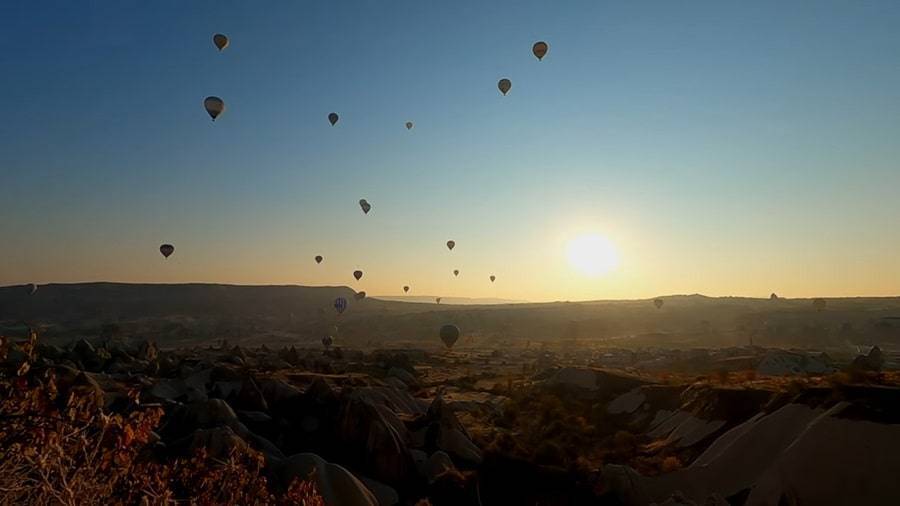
(593, 255)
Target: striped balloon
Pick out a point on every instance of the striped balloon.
(340, 304)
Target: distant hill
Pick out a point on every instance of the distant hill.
(462, 301)
(189, 313)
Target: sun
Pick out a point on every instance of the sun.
(592, 254)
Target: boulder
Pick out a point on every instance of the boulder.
(337, 485)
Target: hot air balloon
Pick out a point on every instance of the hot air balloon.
(340, 304)
(819, 304)
(357, 274)
(449, 335)
(409, 125)
(319, 259)
(360, 295)
(166, 250)
(540, 49)
(405, 289)
(774, 296)
(456, 272)
(333, 118)
(658, 303)
(438, 300)
(220, 41)
(451, 245)
(365, 206)
(504, 85)
(327, 341)
(214, 106)
(31, 288)
(493, 278)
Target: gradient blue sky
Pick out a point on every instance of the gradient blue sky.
(724, 147)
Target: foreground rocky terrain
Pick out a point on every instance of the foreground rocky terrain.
(480, 426)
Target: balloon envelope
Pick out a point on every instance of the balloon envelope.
(360, 295)
(319, 259)
(405, 289)
(357, 274)
(493, 278)
(340, 304)
(327, 341)
(540, 49)
(451, 245)
(365, 206)
(456, 272)
(774, 296)
(504, 85)
(409, 125)
(449, 335)
(220, 41)
(333, 118)
(658, 303)
(214, 106)
(438, 300)
(166, 250)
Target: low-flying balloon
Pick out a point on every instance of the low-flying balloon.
(819, 304)
(405, 289)
(658, 303)
(319, 259)
(409, 125)
(220, 41)
(504, 85)
(167, 250)
(327, 341)
(365, 206)
(438, 300)
(333, 118)
(214, 106)
(449, 335)
(540, 49)
(456, 272)
(360, 295)
(340, 304)
(774, 296)
(451, 245)
(493, 278)
(31, 288)
(357, 274)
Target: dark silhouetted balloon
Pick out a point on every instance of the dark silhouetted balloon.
(214, 106)
(504, 85)
(449, 335)
(319, 259)
(658, 303)
(540, 49)
(405, 289)
(451, 245)
(333, 118)
(365, 206)
(357, 274)
(220, 41)
(456, 272)
(340, 304)
(493, 278)
(774, 296)
(360, 295)
(327, 341)
(438, 300)
(167, 249)
(31, 288)
(409, 125)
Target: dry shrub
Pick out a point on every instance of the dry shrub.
(59, 446)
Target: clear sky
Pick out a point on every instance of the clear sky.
(723, 147)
